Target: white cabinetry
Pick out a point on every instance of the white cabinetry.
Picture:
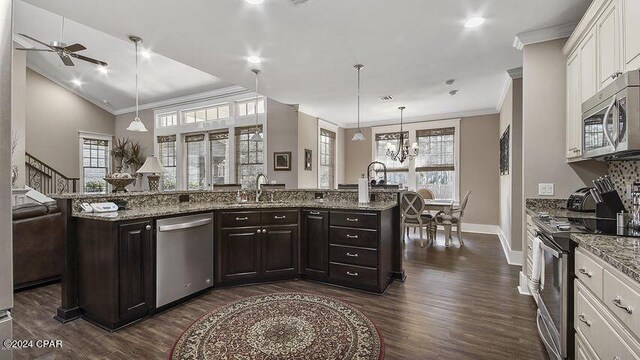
(630, 11)
(608, 34)
(588, 68)
(574, 123)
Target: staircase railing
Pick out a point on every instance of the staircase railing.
(46, 179)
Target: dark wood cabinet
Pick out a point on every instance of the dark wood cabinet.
(240, 254)
(315, 244)
(116, 271)
(136, 270)
(279, 250)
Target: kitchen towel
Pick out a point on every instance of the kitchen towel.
(536, 270)
(363, 190)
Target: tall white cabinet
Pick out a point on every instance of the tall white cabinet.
(605, 44)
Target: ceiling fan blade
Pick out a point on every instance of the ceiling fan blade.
(33, 49)
(36, 40)
(94, 61)
(66, 60)
(75, 47)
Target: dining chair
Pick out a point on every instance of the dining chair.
(454, 219)
(426, 194)
(412, 214)
(431, 228)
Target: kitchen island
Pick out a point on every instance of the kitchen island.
(111, 274)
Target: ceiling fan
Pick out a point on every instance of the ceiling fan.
(64, 51)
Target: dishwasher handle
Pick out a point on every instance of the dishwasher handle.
(186, 225)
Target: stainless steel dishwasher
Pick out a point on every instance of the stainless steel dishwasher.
(184, 256)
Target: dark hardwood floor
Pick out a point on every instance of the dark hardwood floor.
(457, 303)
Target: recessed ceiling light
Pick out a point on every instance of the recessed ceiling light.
(255, 2)
(76, 82)
(254, 60)
(103, 70)
(145, 54)
(474, 22)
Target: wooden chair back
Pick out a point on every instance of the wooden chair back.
(426, 194)
(465, 200)
(411, 205)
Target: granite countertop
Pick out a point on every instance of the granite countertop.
(188, 208)
(555, 208)
(623, 253)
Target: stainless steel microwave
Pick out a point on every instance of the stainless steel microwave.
(611, 120)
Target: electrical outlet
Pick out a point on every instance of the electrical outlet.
(545, 189)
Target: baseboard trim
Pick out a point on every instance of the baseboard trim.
(523, 287)
(513, 257)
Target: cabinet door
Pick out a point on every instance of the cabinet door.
(608, 35)
(135, 270)
(279, 250)
(240, 254)
(315, 244)
(631, 33)
(574, 108)
(588, 70)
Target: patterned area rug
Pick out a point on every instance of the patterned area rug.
(281, 326)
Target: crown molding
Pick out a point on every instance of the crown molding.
(547, 34)
(506, 84)
(309, 111)
(181, 100)
(434, 117)
(70, 88)
(515, 73)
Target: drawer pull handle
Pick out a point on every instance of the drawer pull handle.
(242, 218)
(584, 271)
(584, 320)
(352, 219)
(352, 255)
(314, 212)
(280, 217)
(352, 274)
(617, 301)
(349, 236)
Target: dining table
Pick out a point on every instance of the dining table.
(445, 206)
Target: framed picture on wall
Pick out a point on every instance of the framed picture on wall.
(307, 159)
(282, 161)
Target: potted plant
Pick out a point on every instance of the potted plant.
(119, 152)
(134, 157)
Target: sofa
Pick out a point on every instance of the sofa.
(38, 246)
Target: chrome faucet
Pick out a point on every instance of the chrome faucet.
(259, 185)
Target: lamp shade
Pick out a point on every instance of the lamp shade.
(137, 125)
(358, 136)
(151, 166)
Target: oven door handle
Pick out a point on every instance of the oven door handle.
(551, 250)
(544, 339)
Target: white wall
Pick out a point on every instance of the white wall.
(18, 110)
(282, 131)
(307, 139)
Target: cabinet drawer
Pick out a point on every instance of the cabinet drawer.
(589, 272)
(598, 332)
(352, 219)
(582, 350)
(240, 219)
(623, 301)
(280, 217)
(352, 274)
(353, 237)
(353, 256)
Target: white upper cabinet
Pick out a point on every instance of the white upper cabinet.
(588, 68)
(608, 36)
(631, 33)
(574, 101)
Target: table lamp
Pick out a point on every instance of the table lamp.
(152, 168)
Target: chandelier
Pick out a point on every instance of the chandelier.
(403, 151)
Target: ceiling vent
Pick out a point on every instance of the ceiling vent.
(298, 2)
(386, 98)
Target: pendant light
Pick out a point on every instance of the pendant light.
(256, 136)
(136, 124)
(404, 151)
(358, 136)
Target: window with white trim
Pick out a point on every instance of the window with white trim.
(219, 157)
(167, 156)
(249, 156)
(327, 159)
(196, 167)
(248, 107)
(205, 114)
(166, 120)
(397, 173)
(435, 164)
(95, 165)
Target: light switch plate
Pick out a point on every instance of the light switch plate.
(545, 189)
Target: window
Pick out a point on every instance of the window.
(397, 174)
(247, 107)
(167, 120)
(167, 156)
(196, 167)
(327, 159)
(206, 114)
(435, 164)
(249, 156)
(95, 165)
(219, 156)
